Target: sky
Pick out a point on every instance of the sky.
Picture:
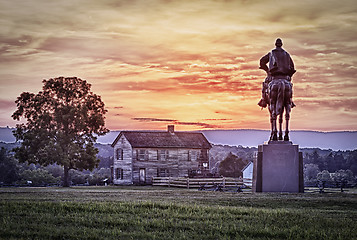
(191, 63)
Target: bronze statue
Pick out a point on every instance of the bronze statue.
(277, 88)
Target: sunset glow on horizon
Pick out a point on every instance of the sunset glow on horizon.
(193, 64)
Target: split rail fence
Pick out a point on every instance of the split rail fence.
(200, 182)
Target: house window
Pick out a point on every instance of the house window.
(173, 155)
(142, 154)
(118, 173)
(193, 156)
(162, 155)
(119, 154)
(205, 165)
(163, 172)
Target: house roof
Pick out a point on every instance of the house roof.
(142, 139)
(246, 166)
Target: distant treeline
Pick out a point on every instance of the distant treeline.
(326, 167)
(13, 173)
(321, 167)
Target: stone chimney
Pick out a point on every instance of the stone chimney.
(171, 128)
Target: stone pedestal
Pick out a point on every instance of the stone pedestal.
(278, 168)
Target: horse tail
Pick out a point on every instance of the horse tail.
(280, 98)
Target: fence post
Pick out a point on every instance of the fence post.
(224, 182)
(188, 183)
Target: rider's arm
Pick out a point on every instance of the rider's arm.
(292, 68)
(263, 63)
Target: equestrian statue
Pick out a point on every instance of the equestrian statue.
(277, 89)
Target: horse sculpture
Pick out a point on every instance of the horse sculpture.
(278, 95)
(277, 89)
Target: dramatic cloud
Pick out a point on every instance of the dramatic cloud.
(171, 121)
(154, 120)
(189, 63)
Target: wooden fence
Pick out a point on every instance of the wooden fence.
(200, 182)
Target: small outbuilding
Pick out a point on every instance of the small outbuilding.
(248, 172)
(141, 155)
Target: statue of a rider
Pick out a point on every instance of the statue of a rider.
(280, 66)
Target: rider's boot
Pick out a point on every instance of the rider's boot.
(262, 103)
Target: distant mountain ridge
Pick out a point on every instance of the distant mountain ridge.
(343, 140)
(6, 135)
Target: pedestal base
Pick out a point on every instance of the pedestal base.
(278, 168)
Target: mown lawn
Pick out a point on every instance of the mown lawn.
(168, 213)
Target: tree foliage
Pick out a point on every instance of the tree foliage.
(232, 166)
(310, 173)
(324, 177)
(61, 123)
(39, 177)
(342, 177)
(9, 170)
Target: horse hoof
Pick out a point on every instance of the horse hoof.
(274, 137)
(280, 136)
(286, 138)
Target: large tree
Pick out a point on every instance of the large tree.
(62, 122)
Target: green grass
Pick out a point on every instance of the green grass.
(168, 213)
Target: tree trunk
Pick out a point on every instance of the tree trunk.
(66, 177)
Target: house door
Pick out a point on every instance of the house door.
(142, 176)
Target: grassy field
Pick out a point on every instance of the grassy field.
(168, 213)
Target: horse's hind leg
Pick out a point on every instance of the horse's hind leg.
(281, 127)
(287, 118)
(274, 135)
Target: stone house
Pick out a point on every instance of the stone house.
(141, 155)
